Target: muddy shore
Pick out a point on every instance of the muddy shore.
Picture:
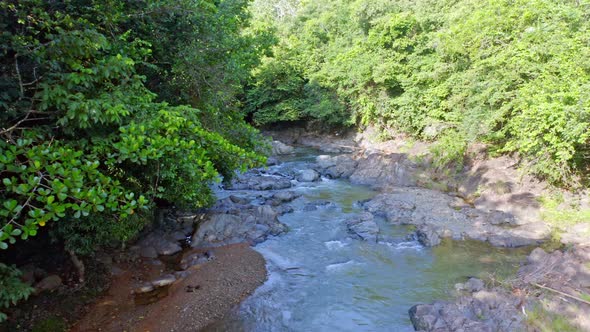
(194, 302)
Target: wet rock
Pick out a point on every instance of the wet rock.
(48, 284)
(239, 200)
(335, 167)
(252, 225)
(286, 196)
(427, 236)
(364, 227)
(284, 209)
(272, 161)
(280, 148)
(165, 280)
(308, 175)
(264, 182)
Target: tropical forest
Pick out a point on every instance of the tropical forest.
(294, 165)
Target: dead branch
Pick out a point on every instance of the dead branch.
(560, 292)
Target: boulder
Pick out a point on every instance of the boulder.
(363, 226)
(335, 167)
(251, 225)
(260, 182)
(427, 236)
(308, 175)
(48, 284)
(381, 170)
(472, 285)
(280, 148)
(285, 196)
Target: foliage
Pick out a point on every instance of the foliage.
(514, 74)
(543, 320)
(12, 289)
(555, 212)
(88, 141)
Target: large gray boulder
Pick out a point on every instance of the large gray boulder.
(381, 170)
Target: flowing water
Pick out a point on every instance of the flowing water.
(322, 279)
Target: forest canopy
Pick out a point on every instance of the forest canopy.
(514, 74)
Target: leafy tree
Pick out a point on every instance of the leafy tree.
(513, 74)
(110, 106)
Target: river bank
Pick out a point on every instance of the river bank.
(487, 200)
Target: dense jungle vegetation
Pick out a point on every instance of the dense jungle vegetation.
(111, 107)
(514, 74)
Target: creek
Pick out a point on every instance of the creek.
(321, 278)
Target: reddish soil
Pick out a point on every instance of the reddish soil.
(192, 303)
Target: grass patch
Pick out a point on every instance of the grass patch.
(559, 216)
(544, 321)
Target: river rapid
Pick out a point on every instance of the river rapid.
(322, 278)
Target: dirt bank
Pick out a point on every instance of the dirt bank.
(202, 297)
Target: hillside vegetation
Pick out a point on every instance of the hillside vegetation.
(514, 74)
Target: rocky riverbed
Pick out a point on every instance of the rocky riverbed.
(194, 269)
